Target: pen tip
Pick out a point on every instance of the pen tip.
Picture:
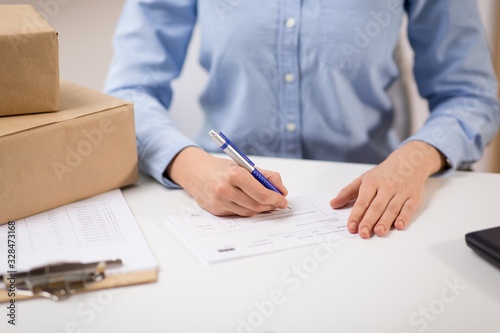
(289, 207)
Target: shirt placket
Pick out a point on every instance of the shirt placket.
(288, 69)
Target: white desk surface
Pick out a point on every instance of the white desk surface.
(400, 283)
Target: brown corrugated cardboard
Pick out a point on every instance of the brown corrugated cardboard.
(51, 159)
(29, 62)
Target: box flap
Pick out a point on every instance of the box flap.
(22, 19)
(74, 102)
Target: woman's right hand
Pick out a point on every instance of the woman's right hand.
(222, 187)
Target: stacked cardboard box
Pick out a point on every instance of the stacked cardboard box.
(29, 62)
(54, 158)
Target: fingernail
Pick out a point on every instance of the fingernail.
(365, 233)
(380, 230)
(400, 224)
(283, 205)
(353, 225)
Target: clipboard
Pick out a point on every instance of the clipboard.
(61, 280)
(88, 245)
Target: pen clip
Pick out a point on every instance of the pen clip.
(236, 148)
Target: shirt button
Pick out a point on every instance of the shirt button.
(290, 23)
(289, 77)
(290, 127)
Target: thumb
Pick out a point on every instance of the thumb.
(347, 194)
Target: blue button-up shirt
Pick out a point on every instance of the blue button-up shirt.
(306, 78)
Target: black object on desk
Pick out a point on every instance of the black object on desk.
(486, 243)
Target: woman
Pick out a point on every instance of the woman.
(308, 79)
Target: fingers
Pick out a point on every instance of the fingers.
(372, 213)
(231, 207)
(226, 199)
(234, 191)
(275, 179)
(365, 198)
(379, 204)
(388, 217)
(398, 211)
(404, 217)
(254, 196)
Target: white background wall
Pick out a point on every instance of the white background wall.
(85, 30)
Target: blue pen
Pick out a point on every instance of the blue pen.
(241, 159)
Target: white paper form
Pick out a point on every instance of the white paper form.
(95, 229)
(311, 220)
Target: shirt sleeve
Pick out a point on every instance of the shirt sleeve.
(454, 72)
(150, 45)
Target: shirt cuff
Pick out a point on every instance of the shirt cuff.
(155, 159)
(445, 142)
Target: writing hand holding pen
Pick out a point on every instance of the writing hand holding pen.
(222, 187)
(241, 159)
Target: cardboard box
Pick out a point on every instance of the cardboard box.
(51, 159)
(29, 62)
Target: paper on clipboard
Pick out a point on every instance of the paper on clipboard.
(95, 229)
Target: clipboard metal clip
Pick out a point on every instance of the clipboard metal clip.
(61, 280)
